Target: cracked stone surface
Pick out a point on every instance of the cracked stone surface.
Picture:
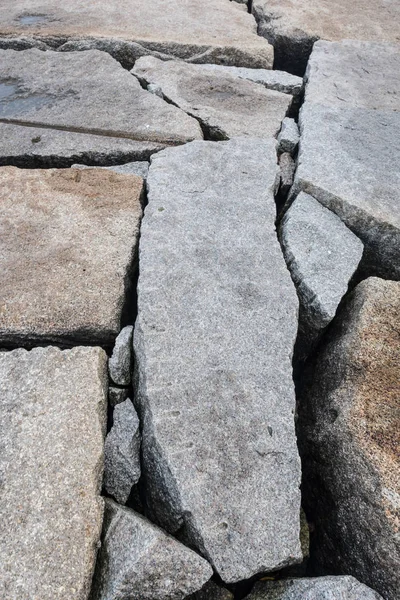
(139, 560)
(63, 278)
(350, 144)
(82, 93)
(321, 588)
(140, 168)
(289, 136)
(205, 31)
(122, 453)
(217, 321)
(52, 419)
(226, 106)
(293, 25)
(349, 415)
(322, 255)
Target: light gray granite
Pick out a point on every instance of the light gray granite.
(140, 168)
(289, 136)
(217, 321)
(120, 362)
(287, 170)
(317, 588)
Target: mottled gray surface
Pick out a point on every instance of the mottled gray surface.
(289, 136)
(31, 147)
(322, 255)
(287, 169)
(140, 168)
(211, 591)
(225, 105)
(65, 276)
(206, 31)
(138, 560)
(117, 395)
(213, 341)
(349, 437)
(86, 92)
(318, 588)
(122, 453)
(350, 145)
(52, 421)
(120, 363)
(281, 81)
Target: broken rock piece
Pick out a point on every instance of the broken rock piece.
(120, 362)
(318, 588)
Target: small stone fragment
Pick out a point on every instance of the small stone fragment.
(122, 453)
(322, 255)
(289, 136)
(120, 363)
(317, 588)
(287, 168)
(140, 168)
(117, 395)
(138, 560)
(153, 88)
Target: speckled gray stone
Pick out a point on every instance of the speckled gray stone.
(122, 453)
(350, 144)
(225, 105)
(317, 588)
(217, 321)
(289, 136)
(52, 420)
(140, 168)
(138, 560)
(287, 170)
(117, 395)
(211, 591)
(322, 255)
(120, 363)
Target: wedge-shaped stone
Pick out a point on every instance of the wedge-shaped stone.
(350, 148)
(317, 588)
(86, 92)
(225, 105)
(67, 251)
(52, 419)
(213, 340)
(292, 26)
(207, 31)
(349, 424)
(139, 560)
(322, 255)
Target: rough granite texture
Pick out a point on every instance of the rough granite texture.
(317, 588)
(322, 255)
(287, 170)
(211, 591)
(348, 420)
(122, 453)
(117, 395)
(217, 320)
(52, 420)
(139, 560)
(289, 136)
(86, 92)
(64, 278)
(350, 145)
(140, 168)
(225, 105)
(200, 32)
(292, 26)
(120, 363)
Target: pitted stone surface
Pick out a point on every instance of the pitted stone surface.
(322, 255)
(350, 144)
(86, 92)
(216, 325)
(225, 105)
(206, 31)
(120, 363)
(122, 453)
(67, 249)
(316, 588)
(139, 560)
(52, 420)
(348, 418)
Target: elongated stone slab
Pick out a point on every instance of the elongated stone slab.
(67, 252)
(321, 588)
(207, 31)
(225, 105)
(85, 93)
(52, 420)
(349, 148)
(217, 320)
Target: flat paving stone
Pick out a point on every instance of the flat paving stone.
(82, 93)
(52, 419)
(225, 105)
(350, 144)
(67, 245)
(217, 321)
(207, 31)
(292, 26)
